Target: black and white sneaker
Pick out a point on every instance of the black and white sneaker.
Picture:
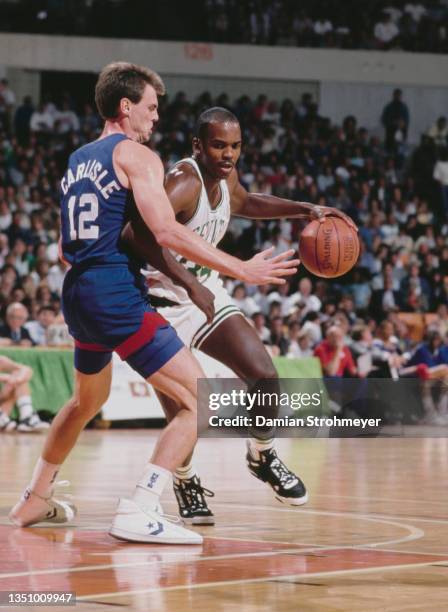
(6, 424)
(190, 495)
(287, 487)
(32, 424)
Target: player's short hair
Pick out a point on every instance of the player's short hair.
(123, 80)
(216, 114)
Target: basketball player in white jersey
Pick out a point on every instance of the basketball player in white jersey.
(205, 191)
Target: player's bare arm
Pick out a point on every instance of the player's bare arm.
(141, 170)
(140, 240)
(264, 206)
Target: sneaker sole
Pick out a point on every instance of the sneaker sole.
(199, 520)
(293, 501)
(120, 534)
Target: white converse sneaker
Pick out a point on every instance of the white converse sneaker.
(32, 424)
(32, 508)
(137, 524)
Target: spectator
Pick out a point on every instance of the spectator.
(299, 342)
(66, 120)
(361, 349)
(438, 132)
(334, 355)
(15, 390)
(385, 32)
(386, 353)
(38, 329)
(311, 303)
(22, 120)
(42, 120)
(441, 176)
(395, 116)
(245, 303)
(259, 320)
(433, 355)
(278, 338)
(14, 332)
(7, 101)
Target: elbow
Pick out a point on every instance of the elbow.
(164, 236)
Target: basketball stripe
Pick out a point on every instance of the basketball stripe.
(206, 329)
(339, 245)
(316, 253)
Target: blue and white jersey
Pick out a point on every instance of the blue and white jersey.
(94, 205)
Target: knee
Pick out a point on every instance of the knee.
(260, 369)
(27, 373)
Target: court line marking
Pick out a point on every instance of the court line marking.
(415, 532)
(230, 505)
(382, 499)
(302, 576)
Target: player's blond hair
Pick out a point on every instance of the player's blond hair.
(123, 80)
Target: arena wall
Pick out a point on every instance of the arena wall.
(344, 82)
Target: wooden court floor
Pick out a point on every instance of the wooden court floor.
(374, 535)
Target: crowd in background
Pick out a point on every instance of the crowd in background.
(411, 25)
(397, 195)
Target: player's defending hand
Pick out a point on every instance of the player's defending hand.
(320, 212)
(265, 270)
(204, 300)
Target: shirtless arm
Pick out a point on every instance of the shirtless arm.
(263, 206)
(143, 172)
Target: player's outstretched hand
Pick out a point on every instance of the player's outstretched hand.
(204, 299)
(320, 212)
(263, 269)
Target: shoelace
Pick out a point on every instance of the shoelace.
(285, 476)
(194, 488)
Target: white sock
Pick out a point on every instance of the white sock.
(185, 472)
(150, 486)
(43, 477)
(25, 406)
(256, 446)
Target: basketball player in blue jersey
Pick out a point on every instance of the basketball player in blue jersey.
(205, 191)
(106, 309)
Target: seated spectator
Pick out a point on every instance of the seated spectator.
(311, 324)
(15, 391)
(387, 299)
(433, 355)
(304, 295)
(259, 320)
(334, 355)
(361, 349)
(38, 329)
(417, 284)
(277, 337)
(386, 352)
(299, 342)
(245, 304)
(13, 333)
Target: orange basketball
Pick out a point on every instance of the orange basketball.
(329, 248)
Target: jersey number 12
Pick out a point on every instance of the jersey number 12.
(89, 203)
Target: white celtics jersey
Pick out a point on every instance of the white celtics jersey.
(211, 224)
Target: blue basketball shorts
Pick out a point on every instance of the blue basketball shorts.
(106, 310)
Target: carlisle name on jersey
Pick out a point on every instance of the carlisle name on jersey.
(93, 170)
(94, 205)
(211, 224)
